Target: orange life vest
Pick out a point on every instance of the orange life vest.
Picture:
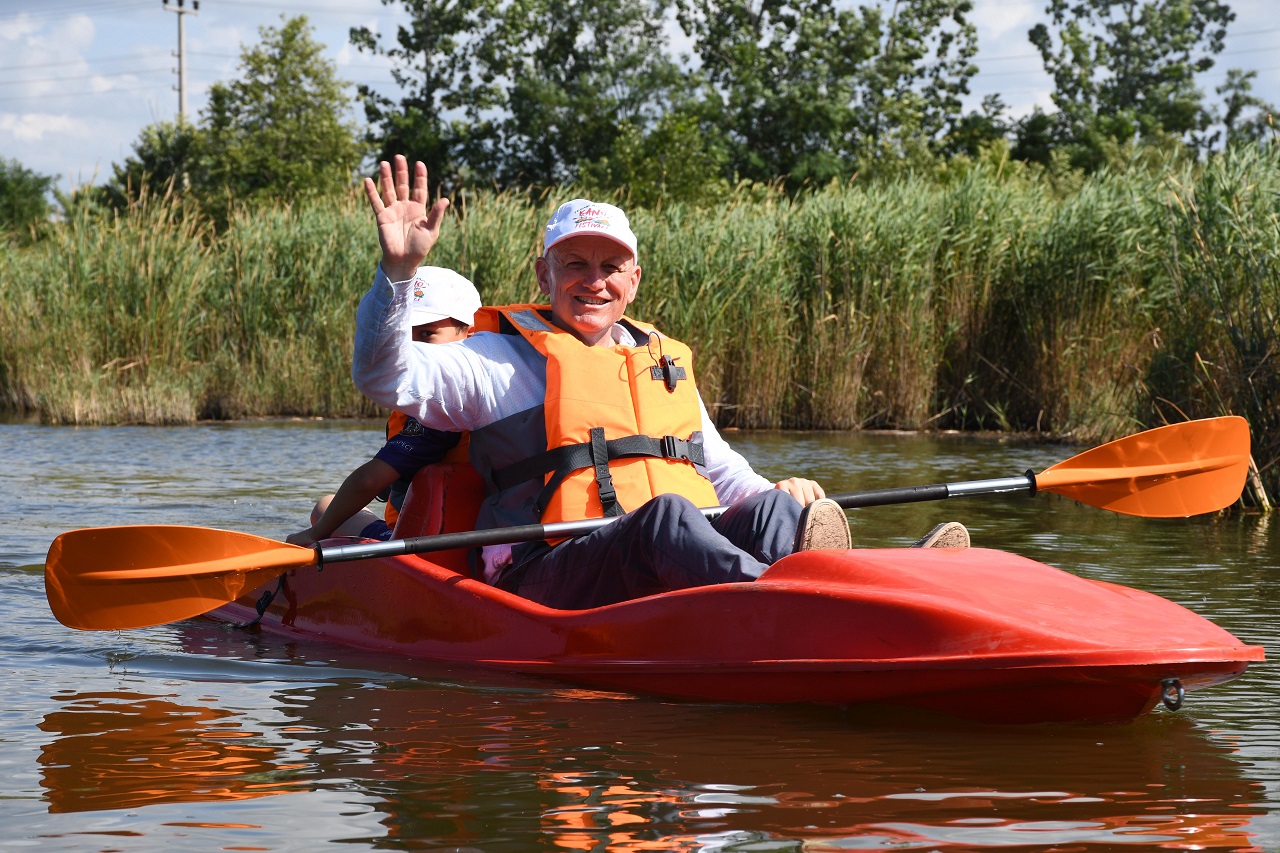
(395, 424)
(623, 424)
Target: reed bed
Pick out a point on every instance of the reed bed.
(987, 298)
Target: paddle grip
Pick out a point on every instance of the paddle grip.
(884, 497)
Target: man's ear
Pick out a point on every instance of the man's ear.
(635, 286)
(543, 270)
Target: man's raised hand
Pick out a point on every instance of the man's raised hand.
(406, 229)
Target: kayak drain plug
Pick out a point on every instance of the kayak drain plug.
(1172, 693)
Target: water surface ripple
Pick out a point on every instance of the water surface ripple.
(196, 736)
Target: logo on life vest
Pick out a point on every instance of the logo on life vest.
(411, 427)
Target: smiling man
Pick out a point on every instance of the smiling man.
(577, 411)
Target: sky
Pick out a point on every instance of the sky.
(80, 79)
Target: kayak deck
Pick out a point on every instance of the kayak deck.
(976, 633)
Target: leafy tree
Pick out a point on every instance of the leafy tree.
(444, 116)
(160, 161)
(279, 131)
(24, 197)
(1238, 127)
(576, 71)
(978, 129)
(673, 162)
(778, 81)
(1035, 138)
(911, 91)
(813, 89)
(1125, 70)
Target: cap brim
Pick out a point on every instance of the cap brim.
(573, 234)
(420, 318)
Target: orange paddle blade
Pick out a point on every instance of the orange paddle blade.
(1168, 472)
(106, 578)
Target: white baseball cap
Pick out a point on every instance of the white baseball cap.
(438, 293)
(589, 217)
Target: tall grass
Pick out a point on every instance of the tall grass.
(988, 298)
(1217, 289)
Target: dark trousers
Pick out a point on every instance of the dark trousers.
(663, 545)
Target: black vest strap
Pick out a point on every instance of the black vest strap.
(563, 461)
(604, 480)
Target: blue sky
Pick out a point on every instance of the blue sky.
(80, 78)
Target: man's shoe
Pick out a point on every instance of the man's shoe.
(949, 534)
(823, 526)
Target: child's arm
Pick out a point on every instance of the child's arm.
(361, 486)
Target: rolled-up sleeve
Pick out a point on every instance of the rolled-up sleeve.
(730, 472)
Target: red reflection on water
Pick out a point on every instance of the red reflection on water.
(606, 773)
(121, 749)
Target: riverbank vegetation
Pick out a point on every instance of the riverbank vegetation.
(984, 295)
(844, 244)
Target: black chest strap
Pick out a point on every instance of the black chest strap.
(596, 453)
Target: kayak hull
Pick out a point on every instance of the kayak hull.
(976, 633)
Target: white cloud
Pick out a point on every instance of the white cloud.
(13, 29)
(37, 127)
(74, 34)
(997, 21)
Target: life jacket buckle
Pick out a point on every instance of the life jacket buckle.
(675, 448)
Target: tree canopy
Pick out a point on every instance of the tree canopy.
(532, 93)
(1125, 70)
(279, 130)
(24, 197)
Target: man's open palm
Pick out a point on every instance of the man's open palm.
(406, 229)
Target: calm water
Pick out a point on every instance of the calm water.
(195, 736)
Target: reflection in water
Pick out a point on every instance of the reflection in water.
(494, 763)
(123, 750)
(606, 773)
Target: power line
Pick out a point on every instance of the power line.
(309, 9)
(211, 72)
(87, 59)
(86, 6)
(59, 96)
(90, 76)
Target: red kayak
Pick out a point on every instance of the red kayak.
(977, 633)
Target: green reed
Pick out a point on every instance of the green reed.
(104, 317)
(989, 296)
(1217, 289)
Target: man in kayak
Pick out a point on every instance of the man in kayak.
(578, 412)
(442, 308)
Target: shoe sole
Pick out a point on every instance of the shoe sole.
(823, 527)
(949, 534)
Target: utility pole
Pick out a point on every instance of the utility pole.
(182, 51)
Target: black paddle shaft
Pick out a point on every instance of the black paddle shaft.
(564, 529)
(938, 492)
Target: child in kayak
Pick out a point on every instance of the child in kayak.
(443, 307)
